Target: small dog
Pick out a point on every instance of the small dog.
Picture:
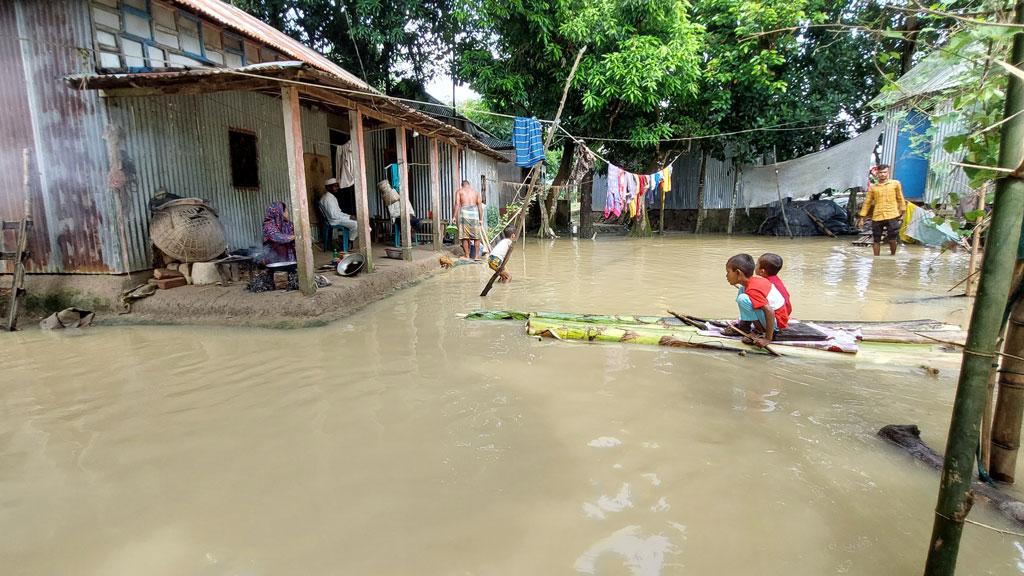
(446, 261)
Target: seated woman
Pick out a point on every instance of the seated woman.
(278, 235)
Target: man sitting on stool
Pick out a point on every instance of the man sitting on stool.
(329, 205)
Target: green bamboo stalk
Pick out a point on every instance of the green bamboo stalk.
(955, 496)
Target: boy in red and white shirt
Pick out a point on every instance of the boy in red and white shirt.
(762, 307)
(768, 267)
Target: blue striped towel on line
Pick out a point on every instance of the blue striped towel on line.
(526, 137)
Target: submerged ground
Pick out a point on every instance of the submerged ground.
(404, 440)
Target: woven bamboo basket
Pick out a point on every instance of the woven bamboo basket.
(188, 230)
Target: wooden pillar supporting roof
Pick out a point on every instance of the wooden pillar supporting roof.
(435, 195)
(355, 122)
(297, 188)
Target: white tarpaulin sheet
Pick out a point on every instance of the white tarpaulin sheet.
(840, 167)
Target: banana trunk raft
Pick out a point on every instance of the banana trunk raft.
(883, 339)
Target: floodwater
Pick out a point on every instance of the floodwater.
(405, 440)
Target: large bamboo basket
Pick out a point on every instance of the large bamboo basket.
(188, 230)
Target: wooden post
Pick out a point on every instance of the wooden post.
(435, 195)
(355, 121)
(403, 191)
(701, 180)
(297, 187)
(782, 204)
(851, 208)
(735, 194)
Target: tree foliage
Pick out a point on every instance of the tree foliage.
(383, 41)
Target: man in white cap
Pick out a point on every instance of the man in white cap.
(329, 207)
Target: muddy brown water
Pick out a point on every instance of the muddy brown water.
(405, 440)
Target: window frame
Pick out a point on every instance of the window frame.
(256, 157)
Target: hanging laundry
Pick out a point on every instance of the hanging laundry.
(655, 187)
(666, 178)
(393, 175)
(526, 137)
(346, 165)
(612, 203)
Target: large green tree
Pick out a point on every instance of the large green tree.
(385, 41)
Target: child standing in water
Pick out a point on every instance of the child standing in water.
(761, 305)
(768, 267)
(500, 251)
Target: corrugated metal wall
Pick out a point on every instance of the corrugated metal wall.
(945, 178)
(377, 159)
(75, 216)
(180, 143)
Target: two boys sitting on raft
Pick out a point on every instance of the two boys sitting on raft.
(762, 298)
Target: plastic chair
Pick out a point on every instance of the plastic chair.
(327, 232)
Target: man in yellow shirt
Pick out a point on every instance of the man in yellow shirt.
(885, 205)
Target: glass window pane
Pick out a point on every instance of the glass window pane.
(252, 53)
(106, 39)
(137, 4)
(214, 56)
(133, 53)
(190, 44)
(164, 16)
(108, 60)
(167, 38)
(233, 60)
(188, 26)
(179, 60)
(156, 57)
(232, 43)
(137, 26)
(106, 18)
(211, 37)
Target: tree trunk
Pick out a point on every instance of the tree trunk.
(910, 29)
(700, 191)
(561, 178)
(587, 205)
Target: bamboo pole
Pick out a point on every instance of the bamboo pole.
(972, 265)
(1003, 439)
(955, 495)
(297, 187)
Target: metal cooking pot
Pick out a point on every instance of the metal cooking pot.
(351, 265)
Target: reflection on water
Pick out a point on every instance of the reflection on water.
(405, 440)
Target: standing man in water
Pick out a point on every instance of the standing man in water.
(885, 205)
(469, 212)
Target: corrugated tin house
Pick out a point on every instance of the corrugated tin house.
(117, 99)
(912, 145)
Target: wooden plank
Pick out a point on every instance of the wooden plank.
(297, 188)
(403, 192)
(435, 195)
(355, 122)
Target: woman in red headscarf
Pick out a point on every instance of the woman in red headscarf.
(278, 235)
